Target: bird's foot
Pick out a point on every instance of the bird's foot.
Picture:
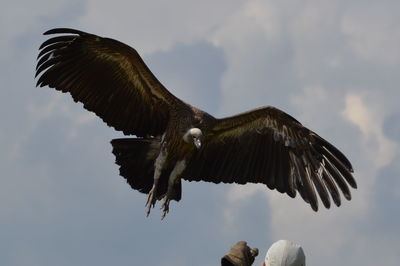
(165, 207)
(151, 200)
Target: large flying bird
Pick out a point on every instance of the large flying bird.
(176, 140)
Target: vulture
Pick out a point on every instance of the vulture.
(174, 140)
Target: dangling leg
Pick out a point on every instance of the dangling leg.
(158, 166)
(173, 179)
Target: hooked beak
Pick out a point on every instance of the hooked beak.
(197, 143)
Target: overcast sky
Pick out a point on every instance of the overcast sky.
(334, 65)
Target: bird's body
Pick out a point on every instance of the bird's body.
(175, 151)
(178, 141)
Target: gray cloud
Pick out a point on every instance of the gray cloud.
(192, 72)
(61, 198)
(391, 126)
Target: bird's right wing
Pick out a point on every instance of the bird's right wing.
(108, 77)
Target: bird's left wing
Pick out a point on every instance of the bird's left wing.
(268, 146)
(108, 77)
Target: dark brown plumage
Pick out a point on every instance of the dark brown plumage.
(177, 140)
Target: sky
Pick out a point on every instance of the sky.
(334, 65)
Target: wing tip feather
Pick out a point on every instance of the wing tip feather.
(347, 195)
(64, 31)
(314, 206)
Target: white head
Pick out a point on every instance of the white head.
(193, 135)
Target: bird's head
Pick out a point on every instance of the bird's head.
(193, 135)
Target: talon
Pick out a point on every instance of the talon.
(151, 200)
(165, 207)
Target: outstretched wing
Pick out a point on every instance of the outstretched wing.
(108, 77)
(269, 146)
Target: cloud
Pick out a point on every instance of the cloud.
(370, 123)
(27, 17)
(156, 25)
(256, 73)
(371, 31)
(191, 72)
(237, 198)
(391, 126)
(333, 65)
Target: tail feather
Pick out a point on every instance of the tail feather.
(136, 160)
